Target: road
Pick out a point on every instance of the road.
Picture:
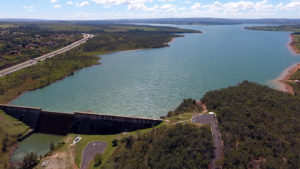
(34, 61)
(90, 151)
(211, 119)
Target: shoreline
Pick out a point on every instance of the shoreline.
(283, 78)
(291, 47)
(281, 81)
(99, 63)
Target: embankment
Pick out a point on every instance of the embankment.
(78, 122)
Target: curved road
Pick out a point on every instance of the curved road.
(211, 119)
(34, 61)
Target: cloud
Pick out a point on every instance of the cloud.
(168, 7)
(140, 6)
(70, 2)
(53, 1)
(57, 6)
(85, 3)
(118, 2)
(166, 0)
(196, 6)
(30, 8)
(293, 5)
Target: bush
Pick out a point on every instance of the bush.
(97, 160)
(115, 142)
(29, 161)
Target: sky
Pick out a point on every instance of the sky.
(138, 9)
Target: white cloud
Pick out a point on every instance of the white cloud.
(142, 7)
(70, 2)
(57, 6)
(85, 3)
(196, 6)
(293, 5)
(30, 8)
(118, 2)
(168, 7)
(53, 1)
(166, 0)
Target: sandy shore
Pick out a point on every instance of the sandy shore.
(292, 48)
(284, 77)
(281, 81)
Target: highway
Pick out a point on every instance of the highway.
(34, 61)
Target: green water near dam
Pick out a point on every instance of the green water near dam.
(38, 143)
(151, 82)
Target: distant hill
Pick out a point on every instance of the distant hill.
(183, 21)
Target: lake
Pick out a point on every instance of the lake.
(151, 82)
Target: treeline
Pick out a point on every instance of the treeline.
(188, 105)
(128, 40)
(260, 126)
(169, 147)
(44, 73)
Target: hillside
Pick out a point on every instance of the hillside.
(10, 130)
(168, 147)
(260, 126)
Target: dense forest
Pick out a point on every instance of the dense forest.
(260, 126)
(168, 147)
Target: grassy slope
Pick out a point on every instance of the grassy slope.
(260, 126)
(12, 129)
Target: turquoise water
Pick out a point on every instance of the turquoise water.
(149, 83)
(38, 143)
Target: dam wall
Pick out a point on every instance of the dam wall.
(28, 115)
(93, 123)
(78, 122)
(55, 123)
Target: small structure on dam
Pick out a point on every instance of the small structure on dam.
(78, 122)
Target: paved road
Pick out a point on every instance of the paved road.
(210, 119)
(48, 55)
(90, 151)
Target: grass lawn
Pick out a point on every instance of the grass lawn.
(10, 130)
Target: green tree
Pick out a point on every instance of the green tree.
(115, 142)
(51, 146)
(29, 161)
(97, 160)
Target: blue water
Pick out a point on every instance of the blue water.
(149, 83)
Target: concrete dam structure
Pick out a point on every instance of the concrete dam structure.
(78, 122)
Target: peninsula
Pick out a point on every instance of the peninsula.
(290, 77)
